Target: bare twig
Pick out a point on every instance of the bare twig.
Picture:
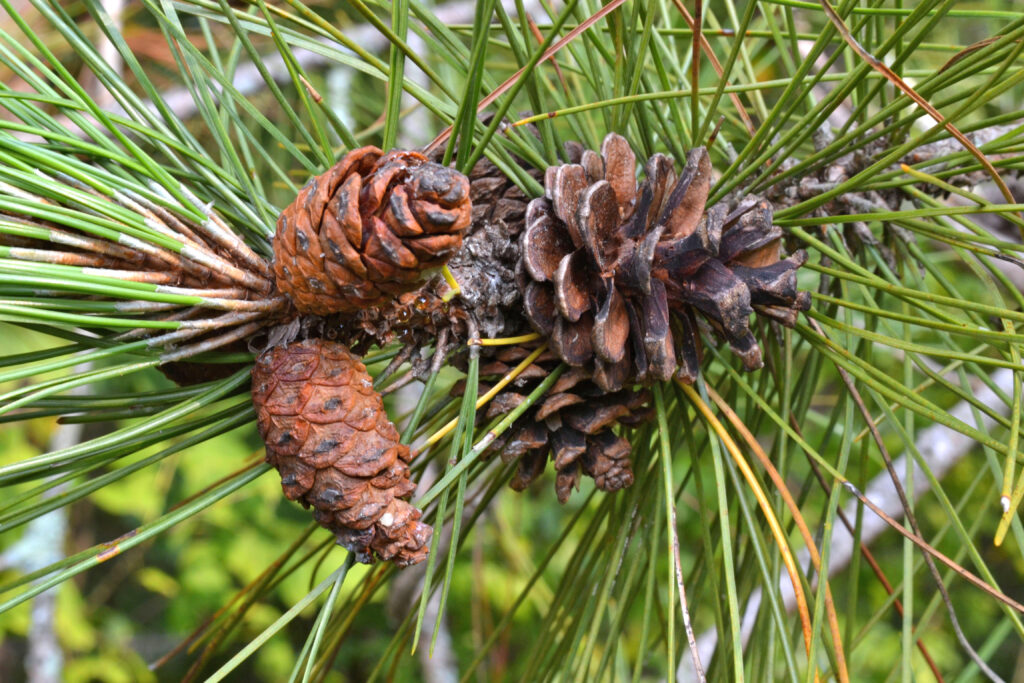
(896, 80)
(691, 641)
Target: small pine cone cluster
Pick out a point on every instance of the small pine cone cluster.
(328, 435)
(619, 277)
(366, 230)
(616, 274)
(572, 424)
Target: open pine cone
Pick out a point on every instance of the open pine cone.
(573, 424)
(365, 230)
(615, 274)
(328, 435)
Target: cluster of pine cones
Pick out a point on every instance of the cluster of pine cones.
(617, 277)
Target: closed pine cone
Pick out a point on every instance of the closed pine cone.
(615, 274)
(328, 435)
(365, 230)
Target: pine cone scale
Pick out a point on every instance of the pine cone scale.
(572, 299)
(612, 377)
(544, 247)
(570, 182)
(611, 327)
(567, 444)
(593, 164)
(539, 305)
(685, 204)
(619, 166)
(718, 293)
(597, 218)
(657, 335)
(573, 341)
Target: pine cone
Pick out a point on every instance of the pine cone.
(573, 423)
(365, 230)
(484, 266)
(328, 435)
(616, 274)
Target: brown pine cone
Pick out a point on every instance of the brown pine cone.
(365, 230)
(573, 423)
(328, 435)
(484, 266)
(615, 274)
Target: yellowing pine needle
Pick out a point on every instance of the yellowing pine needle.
(454, 287)
(766, 508)
(507, 341)
(1010, 497)
(483, 400)
(805, 532)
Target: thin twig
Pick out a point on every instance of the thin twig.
(895, 79)
(212, 343)
(691, 640)
(221, 233)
